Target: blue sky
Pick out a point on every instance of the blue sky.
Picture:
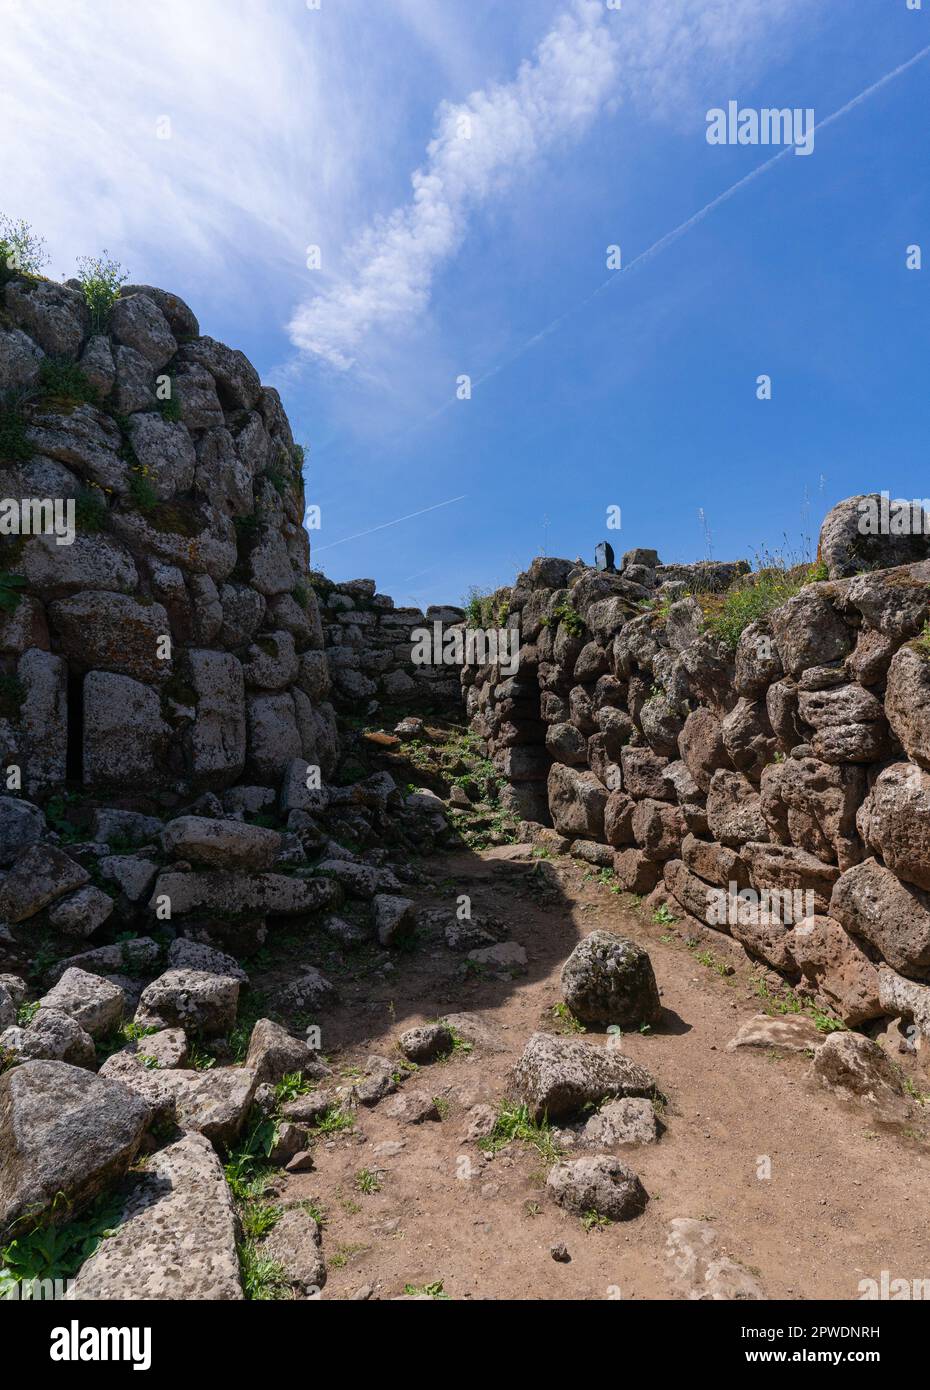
(291, 127)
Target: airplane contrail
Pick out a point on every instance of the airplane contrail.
(670, 237)
(696, 217)
(384, 524)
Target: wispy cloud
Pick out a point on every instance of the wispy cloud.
(589, 58)
(478, 147)
(267, 140)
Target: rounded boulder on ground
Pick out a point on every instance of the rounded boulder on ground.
(601, 1184)
(609, 979)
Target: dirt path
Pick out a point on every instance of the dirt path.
(844, 1200)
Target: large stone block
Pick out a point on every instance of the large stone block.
(577, 801)
(218, 734)
(125, 736)
(872, 903)
(104, 631)
(62, 1131)
(43, 720)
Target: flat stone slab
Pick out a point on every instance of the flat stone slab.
(177, 1236)
(791, 1033)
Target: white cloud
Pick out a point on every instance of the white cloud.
(554, 96)
(650, 50)
(267, 136)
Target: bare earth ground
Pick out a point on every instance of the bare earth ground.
(845, 1199)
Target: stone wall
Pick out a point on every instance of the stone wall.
(708, 766)
(370, 646)
(176, 645)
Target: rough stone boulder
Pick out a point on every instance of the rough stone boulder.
(851, 542)
(794, 1033)
(601, 1184)
(758, 664)
(577, 801)
(136, 321)
(709, 665)
(176, 1237)
(701, 746)
(215, 1103)
(894, 821)
(631, 1121)
(661, 724)
(809, 631)
(559, 1076)
(82, 912)
(95, 1003)
(40, 874)
(21, 825)
(854, 1067)
(394, 918)
(50, 1035)
(194, 1000)
(813, 804)
(658, 828)
(894, 603)
(907, 703)
(700, 1272)
(274, 1053)
(618, 819)
(787, 869)
(609, 979)
(906, 999)
(566, 744)
(125, 735)
(871, 902)
(62, 1130)
(295, 1243)
(358, 880)
(111, 632)
(836, 969)
(634, 872)
(56, 316)
(706, 902)
(184, 954)
(748, 736)
(849, 724)
(426, 1043)
(734, 810)
(646, 774)
(413, 1107)
(233, 891)
(221, 844)
(716, 863)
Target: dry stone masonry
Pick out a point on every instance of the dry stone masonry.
(174, 641)
(371, 647)
(770, 782)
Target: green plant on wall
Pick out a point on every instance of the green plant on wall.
(21, 251)
(100, 279)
